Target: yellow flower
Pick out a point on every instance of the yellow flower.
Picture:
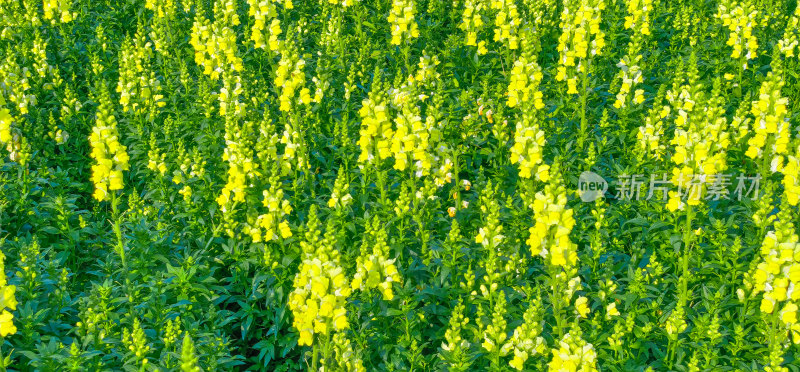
(767, 305)
(7, 326)
(674, 202)
(5, 126)
(375, 269)
(111, 157)
(401, 19)
(740, 20)
(581, 306)
(306, 338)
(611, 310)
(789, 314)
(284, 229)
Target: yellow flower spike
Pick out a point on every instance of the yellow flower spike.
(110, 155)
(402, 23)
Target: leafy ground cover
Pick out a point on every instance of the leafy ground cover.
(404, 185)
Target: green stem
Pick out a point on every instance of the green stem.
(315, 357)
(687, 237)
(584, 100)
(2, 357)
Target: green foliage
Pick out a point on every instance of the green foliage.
(394, 185)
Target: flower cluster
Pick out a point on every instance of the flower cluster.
(701, 144)
(771, 128)
(5, 126)
(630, 74)
(291, 77)
(346, 357)
(188, 357)
(455, 345)
(58, 10)
(506, 22)
(554, 222)
(138, 87)
(340, 198)
(215, 43)
(238, 154)
(416, 141)
(685, 93)
(494, 331)
(295, 152)
(156, 159)
(344, 3)
(711, 156)
(453, 339)
(273, 223)
(40, 64)
(14, 94)
(165, 14)
(321, 287)
(8, 302)
(650, 134)
(740, 19)
(528, 148)
(376, 270)
(526, 340)
(791, 179)
(15, 86)
(111, 157)
(410, 139)
(683, 98)
(490, 236)
(573, 354)
(319, 297)
(789, 44)
(675, 324)
(376, 131)
(523, 87)
(401, 19)
(581, 38)
(266, 26)
(472, 23)
(638, 18)
(229, 96)
(135, 341)
(777, 275)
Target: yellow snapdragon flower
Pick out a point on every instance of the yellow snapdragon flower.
(472, 23)
(507, 22)
(58, 10)
(554, 222)
(638, 18)
(573, 354)
(771, 125)
(8, 302)
(789, 44)
(291, 77)
(215, 43)
(111, 157)
(580, 39)
(401, 19)
(266, 26)
(376, 131)
(528, 149)
(376, 269)
(740, 20)
(526, 75)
